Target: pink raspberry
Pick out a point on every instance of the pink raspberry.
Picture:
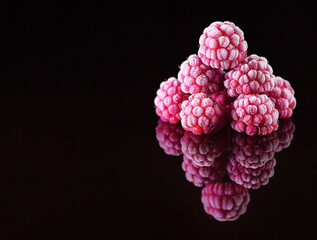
(196, 77)
(222, 45)
(254, 75)
(169, 100)
(253, 151)
(203, 149)
(225, 201)
(169, 136)
(250, 177)
(254, 114)
(200, 114)
(285, 134)
(283, 97)
(201, 176)
(224, 101)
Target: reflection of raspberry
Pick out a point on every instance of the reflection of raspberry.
(254, 75)
(169, 100)
(197, 77)
(249, 177)
(254, 114)
(202, 115)
(225, 201)
(203, 149)
(285, 133)
(169, 136)
(201, 176)
(222, 45)
(253, 151)
(283, 97)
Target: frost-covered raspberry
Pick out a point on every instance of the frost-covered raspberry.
(196, 77)
(201, 176)
(285, 133)
(169, 100)
(249, 177)
(253, 151)
(222, 45)
(169, 136)
(254, 75)
(203, 149)
(283, 97)
(200, 114)
(224, 101)
(254, 114)
(225, 201)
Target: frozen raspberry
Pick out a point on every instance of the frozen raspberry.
(202, 115)
(224, 101)
(253, 151)
(249, 177)
(254, 114)
(197, 77)
(254, 75)
(201, 176)
(169, 100)
(203, 149)
(285, 134)
(169, 136)
(225, 201)
(222, 45)
(283, 97)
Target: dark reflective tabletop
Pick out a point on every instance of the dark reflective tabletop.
(84, 155)
(226, 164)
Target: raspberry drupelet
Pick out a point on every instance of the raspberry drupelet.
(254, 114)
(168, 100)
(200, 114)
(283, 97)
(254, 75)
(225, 201)
(196, 77)
(222, 45)
(169, 136)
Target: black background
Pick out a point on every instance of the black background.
(79, 157)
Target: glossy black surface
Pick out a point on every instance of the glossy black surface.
(79, 154)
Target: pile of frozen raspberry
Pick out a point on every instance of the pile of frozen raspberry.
(223, 85)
